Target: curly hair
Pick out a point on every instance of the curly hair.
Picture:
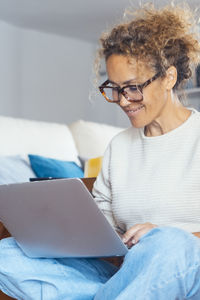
(160, 37)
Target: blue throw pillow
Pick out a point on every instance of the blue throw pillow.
(14, 169)
(49, 167)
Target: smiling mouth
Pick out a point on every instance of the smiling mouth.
(134, 110)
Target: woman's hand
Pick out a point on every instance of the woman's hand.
(133, 235)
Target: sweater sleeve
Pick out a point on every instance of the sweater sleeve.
(102, 191)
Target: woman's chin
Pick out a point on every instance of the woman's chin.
(137, 123)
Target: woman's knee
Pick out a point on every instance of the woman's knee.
(170, 237)
(9, 248)
(8, 243)
(10, 255)
(168, 241)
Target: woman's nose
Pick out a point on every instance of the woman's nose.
(123, 101)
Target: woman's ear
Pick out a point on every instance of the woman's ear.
(170, 77)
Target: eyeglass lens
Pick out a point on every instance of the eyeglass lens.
(130, 93)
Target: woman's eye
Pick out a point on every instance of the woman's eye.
(132, 88)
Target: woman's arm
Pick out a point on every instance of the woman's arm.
(102, 190)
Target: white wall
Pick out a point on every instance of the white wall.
(10, 70)
(48, 77)
(55, 76)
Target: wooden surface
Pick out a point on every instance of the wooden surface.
(89, 182)
(3, 232)
(197, 234)
(4, 297)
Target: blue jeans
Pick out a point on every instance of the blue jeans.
(165, 264)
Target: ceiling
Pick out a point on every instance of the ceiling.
(83, 19)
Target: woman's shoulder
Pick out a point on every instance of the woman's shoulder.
(195, 117)
(125, 135)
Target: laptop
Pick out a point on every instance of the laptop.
(57, 218)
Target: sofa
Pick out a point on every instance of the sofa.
(75, 142)
(49, 142)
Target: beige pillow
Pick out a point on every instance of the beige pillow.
(92, 138)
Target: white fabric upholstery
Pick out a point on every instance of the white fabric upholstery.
(20, 136)
(92, 138)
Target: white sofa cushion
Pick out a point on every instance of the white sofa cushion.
(20, 136)
(14, 169)
(92, 138)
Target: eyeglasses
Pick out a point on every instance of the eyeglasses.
(130, 92)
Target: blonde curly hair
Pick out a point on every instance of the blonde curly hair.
(160, 37)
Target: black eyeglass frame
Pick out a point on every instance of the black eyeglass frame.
(120, 90)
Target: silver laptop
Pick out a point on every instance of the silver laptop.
(57, 218)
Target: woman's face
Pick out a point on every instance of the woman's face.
(122, 72)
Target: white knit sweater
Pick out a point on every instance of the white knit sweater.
(152, 179)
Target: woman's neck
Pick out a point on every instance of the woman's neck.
(172, 116)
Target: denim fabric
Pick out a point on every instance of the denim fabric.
(164, 265)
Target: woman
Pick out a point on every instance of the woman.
(149, 185)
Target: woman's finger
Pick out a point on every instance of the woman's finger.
(140, 233)
(131, 232)
(133, 235)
